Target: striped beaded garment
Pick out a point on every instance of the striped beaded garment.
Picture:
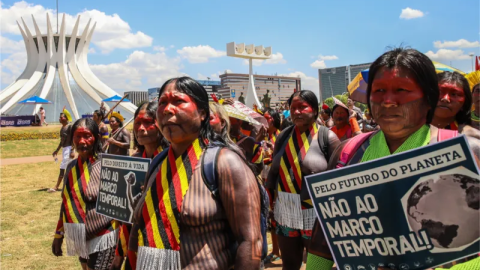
(159, 233)
(289, 210)
(124, 230)
(86, 232)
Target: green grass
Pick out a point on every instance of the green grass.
(29, 217)
(28, 148)
(43, 129)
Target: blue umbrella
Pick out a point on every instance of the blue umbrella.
(116, 98)
(35, 100)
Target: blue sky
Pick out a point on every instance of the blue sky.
(140, 44)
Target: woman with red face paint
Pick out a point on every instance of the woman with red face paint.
(402, 96)
(475, 119)
(300, 150)
(90, 236)
(251, 149)
(220, 122)
(345, 120)
(179, 223)
(273, 119)
(148, 142)
(119, 141)
(455, 103)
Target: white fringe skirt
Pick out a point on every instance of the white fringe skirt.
(77, 244)
(288, 212)
(154, 258)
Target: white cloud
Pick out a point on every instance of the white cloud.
(111, 32)
(318, 64)
(92, 50)
(201, 77)
(140, 71)
(327, 57)
(200, 53)
(308, 83)
(446, 54)
(12, 66)
(213, 76)
(159, 48)
(409, 13)
(461, 43)
(10, 46)
(276, 58)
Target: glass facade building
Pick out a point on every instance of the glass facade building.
(334, 81)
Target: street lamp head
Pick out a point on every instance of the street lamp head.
(248, 51)
(471, 54)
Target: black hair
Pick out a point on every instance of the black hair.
(418, 65)
(151, 109)
(338, 106)
(99, 114)
(327, 111)
(309, 97)
(198, 93)
(120, 123)
(93, 127)
(62, 114)
(286, 123)
(463, 116)
(275, 116)
(475, 87)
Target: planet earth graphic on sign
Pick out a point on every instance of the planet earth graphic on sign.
(447, 208)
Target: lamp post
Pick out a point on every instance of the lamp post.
(249, 52)
(471, 56)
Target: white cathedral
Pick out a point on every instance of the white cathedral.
(57, 70)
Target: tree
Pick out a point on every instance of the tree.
(140, 103)
(344, 98)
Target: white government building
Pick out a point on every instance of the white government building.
(57, 70)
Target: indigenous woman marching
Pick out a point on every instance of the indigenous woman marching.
(454, 105)
(345, 120)
(273, 120)
(89, 235)
(300, 150)
(402, 96)
(98, 116)
(148, 142)
(475, 119)
(179, 222)
(326, 116)
(220, 122)
(249, 146)
(119, 141)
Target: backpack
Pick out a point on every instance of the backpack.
(352, 146)
(210, 178)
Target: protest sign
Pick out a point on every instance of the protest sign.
(413, 210)
(120, 185)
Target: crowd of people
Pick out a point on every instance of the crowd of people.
(189, 217)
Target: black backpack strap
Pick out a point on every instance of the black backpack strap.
(209, 168)
(323, 141)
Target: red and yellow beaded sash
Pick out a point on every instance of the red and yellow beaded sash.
(74, 192)
(159, 226)
(290, 164)
(273, 137)
(157, 151)
(257, 154)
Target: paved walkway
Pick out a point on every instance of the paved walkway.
(24, 160)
